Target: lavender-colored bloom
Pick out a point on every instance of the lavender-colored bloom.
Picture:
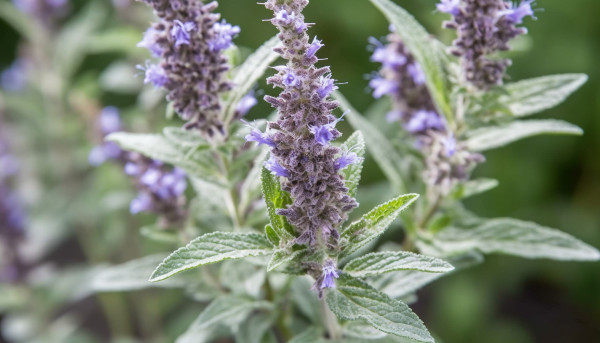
(424, 120)
(273, 165)
(330, 273)
(131, 169)
(155, 75)
(449, 145)
(110, 120)
(245, 104)
(14, 78)
(382, 87)
(449, 6)
(303, 132)
(191, 39)
(259, 137)
(141, 203)
(417, 73)
(347, 158)
(485, 27)
(224, 34)
(181, 32)
(150, 42)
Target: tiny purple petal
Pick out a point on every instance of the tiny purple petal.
(141, 203)
(181, 32)
(314, 47)
(150, 42)
(224, 34)
(283, 18)
(327, 86)
(346, 159)
(155, 75)
(109, 120)
(330, 273)
(131, 169)
(291, 80)
(449, 6)
(245, 104)
(449, 145)
(273, 165)
(382, 86)
(151, 177)
(416, 72)
(389, 59)
(518, 13)
(424, 120)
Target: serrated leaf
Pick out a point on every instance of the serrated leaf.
(159, 148)
(276, 198)
(248, 73)
(494, 137)
(426, 50)
(388, 159)
(352, 173)
(516, 237)
(283, 256)
(132, 275)
(222, 309)
(353, 299)
(374, 223)
(535, 95)
(389, 261)
(212, 248)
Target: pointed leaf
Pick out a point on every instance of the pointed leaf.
(389, 261)
(353, 299)
(535, 95)
(276, 198)
(355, 143)
(374, 223)
(247, 74)
(388, 158)
(474, 187)
(516, 237)
(426, 50)
(498, 136)
(211, 248)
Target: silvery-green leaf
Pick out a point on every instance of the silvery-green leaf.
(283, 256)
(305, 299)
(362, 330)
(474, 187)
(117, 39)
(356, 144)
(497, 136)
(515, 237)
(17, 19)
(158, 234)
(311, 335)
(211, 248)
(254, 329)
(132, 275)
(389, 261)
(403, 283)
(185, 138)
(248, 73)
(241, 277)
(535, 95)
(374, 223)
(426, 50)
(353, 299)
(276, 198)
(118, 78)
(388, 159)
(159, 148)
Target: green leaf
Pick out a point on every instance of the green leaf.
(254, 329)
(159, 148)
(426, 50)
(535, 95)
(382, 150)
(283, 256)
(515, 237)
(389, 261)
(374, 223)
(118, 78)
(17, 19)
(131, 276)
(248, 73)
(494, 137)
(276, 198)
(353, 299)
(185, 138)
(229, 308)
(351, 173)
(212, 248)
(474, 187)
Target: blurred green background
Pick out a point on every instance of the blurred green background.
(554, 181)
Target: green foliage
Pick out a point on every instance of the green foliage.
(212, 248)
(377, 263)
(352, 173)
(373, 224)
(275, 198)
(353, 299)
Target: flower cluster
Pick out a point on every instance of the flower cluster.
(12, 217)
(189, 40)
(401, 77)
(160, 189)
(300, 139)
(484, 27)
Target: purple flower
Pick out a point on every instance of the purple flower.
(383, 86)
(141, 203)
(181, 32)
(424, 120)
(326, 133)
(314, 47)
(275, 167)
(109, 120)
(283, 18)
(14, 79)
(224, 34)
(330, 273)
(449, 145)
(387, 57)
(346, 159)
(394, 116)
(516, 14)
(131, 169)
(259, 137)
(449, 6)
(416, 72)
(291, 80)
(150, 42)
(326, 86)
(245, 104)
(154, 74)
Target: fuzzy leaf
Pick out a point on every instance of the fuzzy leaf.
(353, 299)
(535, 95)
(283, 256)
(276, 198)
(389, 261)
(374, 223)
(247, 74)
(212, 248)
(423, 46)
(355, 143)
(185, 138)
(474, 187)
(388, 158)
(498, 136)
(516, 237)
